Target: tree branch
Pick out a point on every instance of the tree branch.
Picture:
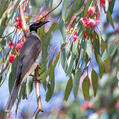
(38, 96)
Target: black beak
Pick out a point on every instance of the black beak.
(35, 26)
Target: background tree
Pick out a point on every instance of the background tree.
(81, 48)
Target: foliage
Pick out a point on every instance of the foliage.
(81, 42)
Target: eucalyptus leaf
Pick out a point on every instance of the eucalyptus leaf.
(109, 17)
(76, 82)
(85, 88)
(89, 48)
(94, 78)
(68, 89)
(12, 76)
(64, 8)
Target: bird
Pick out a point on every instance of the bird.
(28, 59)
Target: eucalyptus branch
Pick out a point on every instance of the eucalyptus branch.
(22, 17)
(38, 96)
(51, 10)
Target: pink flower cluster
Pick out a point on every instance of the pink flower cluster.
(102, 2)
(11, 59)
(18, 47)
(90, 21)
(11, 44)
(18, 21)
(75, 37)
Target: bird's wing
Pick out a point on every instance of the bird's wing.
(28, 55)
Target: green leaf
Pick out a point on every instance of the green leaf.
(76, 82)
(64, 8)
(24, 96)
(96, 44)
(109, 18)
(62, 30)
(107, 64)
(49, 93)
(20, 95)
(111, 6)
(94, 78)
(71, 63)
(100, 65)
(87, 6)
(44, 75)
(52, 79)
(0, 79)
(85, 88)
(1, 31)
(77, 6)
(70, 9)
(46, 42)
(89, 48)
(103, 46)
(14, 9)
(50, 89)
(68, 89)
(29, 86)
(64, 58)
(12, 76)
(3, 6)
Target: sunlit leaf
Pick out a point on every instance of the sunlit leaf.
(71, 64)
(100, 65)
(103, 46)
(107, 64)
(64, 8)
(76, 82)
(89, 48)
(3, 6)
(29, 86)
(109, 17)
(94, 78)
(68, 89)
(85, 88)
(111, 6)
(96, 44)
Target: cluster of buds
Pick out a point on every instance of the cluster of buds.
(90, 21)
(18, 47)
(75, 33)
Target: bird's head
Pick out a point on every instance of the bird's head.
(35, 26)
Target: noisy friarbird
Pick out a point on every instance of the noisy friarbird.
(28, 60)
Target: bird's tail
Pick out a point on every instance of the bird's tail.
(12, 98)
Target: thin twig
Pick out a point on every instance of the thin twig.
(51, 11)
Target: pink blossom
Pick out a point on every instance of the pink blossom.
(74, 38)
(91, 11)
(19, 45)
(89, 22)
(102, 2)
(117, 106)
(75, 32)
(11, 59)
(19, 24)
(11, 44)
(85, 35)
